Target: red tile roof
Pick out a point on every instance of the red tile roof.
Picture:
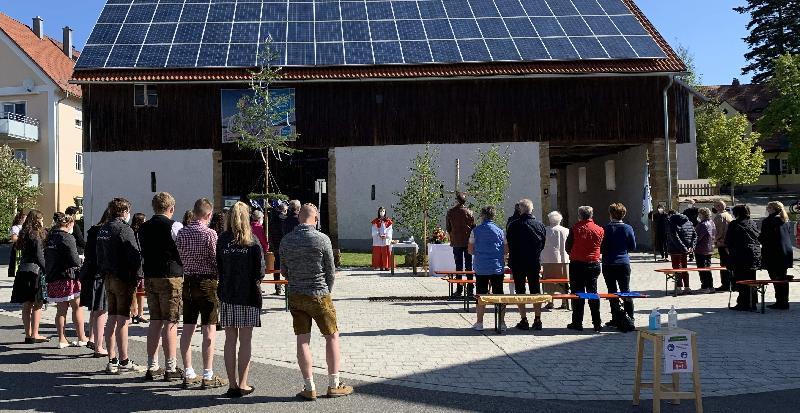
(750, 100)
(46, 53)
(671, 64)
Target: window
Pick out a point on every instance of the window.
(145, 95)
(21, 155)
(78, 118)
(79, 162)
(17, 108)
(582, 179)
(776, 167)
(611, 177)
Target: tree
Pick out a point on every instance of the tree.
(15, 190)
(774, 30)
(782, 116)
(692, 77)
(422, 200)
(262, 122)
(490, 180)
(731, 154)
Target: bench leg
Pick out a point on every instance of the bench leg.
(763, 290)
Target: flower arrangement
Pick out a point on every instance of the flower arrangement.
(438, 236)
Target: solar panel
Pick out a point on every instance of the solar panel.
(230, 33)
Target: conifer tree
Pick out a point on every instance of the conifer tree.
(774, 30)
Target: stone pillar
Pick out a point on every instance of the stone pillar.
(544, 176)
(658, 173)
(333, 221)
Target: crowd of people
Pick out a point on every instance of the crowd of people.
(206, 270)
(533, 251)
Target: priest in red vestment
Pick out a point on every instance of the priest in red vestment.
(381, 239)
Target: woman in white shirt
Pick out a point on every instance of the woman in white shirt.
(554, 256)
(16, 227)
(381, 229)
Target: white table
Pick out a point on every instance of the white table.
(440, 258)
(401, 246)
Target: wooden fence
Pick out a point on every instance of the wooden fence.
(685, 190)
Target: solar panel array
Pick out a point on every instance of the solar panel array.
(230, 33)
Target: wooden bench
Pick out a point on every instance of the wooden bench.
(761, 287)
(672, 274)
(280, 281)
(449, 276)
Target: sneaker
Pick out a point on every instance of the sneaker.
(477, 326)
(176, 375)
(523, 324)
(503, 328)
(309, 395)
(112, 368)
(187, 382)
(710, 291)
(131, 367)
(537, 324)
(687, 291)
(777, 306)
(214, 382)
(62, 345)
(598, 327)
(573, 326)
(340, 391)
(90, 345)
(153, 374)
(135, 320)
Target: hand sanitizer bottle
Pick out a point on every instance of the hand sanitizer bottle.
(672, 318)
(655, 320)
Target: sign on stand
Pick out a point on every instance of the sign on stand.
(677, 354)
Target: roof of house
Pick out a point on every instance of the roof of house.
(46, 53)
(671, 64)
(750, 99)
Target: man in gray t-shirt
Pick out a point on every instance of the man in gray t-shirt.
(307, 263)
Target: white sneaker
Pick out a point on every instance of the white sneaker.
(131, 367)
(477, 326)
(112, 368)
(67, 344)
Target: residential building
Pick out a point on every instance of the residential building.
(41, 116)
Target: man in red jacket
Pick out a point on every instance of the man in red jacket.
(583, 247)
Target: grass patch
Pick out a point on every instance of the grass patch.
(359, 259)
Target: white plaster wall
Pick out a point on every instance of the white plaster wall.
(687, 152)
(629, 166)
(186, 174)
(386, 167)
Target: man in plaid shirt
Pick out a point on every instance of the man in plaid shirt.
(197, 247)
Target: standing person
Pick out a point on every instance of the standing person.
(307, 263)
(583, 247)
(77, 232)
(776, 251)
(163, 281)
(706, 234)
(29, 287)
(487, 245)
(722, 218)
(217, 222)
(93, 291)
(240, 263)
(554, 256)
(119, 261)
(660, 225)
(275, 229)
(381, 229)
(526, 239)
(197, 245)
(137, 310)
(682, 239)
(16, 227)
(692, 212)
(745, 255)
(62, 268)
(257, 229)
(618, 242)
(459, 223)
(188, 216)
(291, 220)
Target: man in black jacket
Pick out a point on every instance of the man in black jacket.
(163, 281)
(681, 239)
(275, 235)
(291, 217)
(526, 237)
(119, 261)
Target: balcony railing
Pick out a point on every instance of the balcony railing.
(13, 126)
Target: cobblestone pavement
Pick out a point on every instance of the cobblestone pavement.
(430, 345)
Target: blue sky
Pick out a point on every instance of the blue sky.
(710, 29)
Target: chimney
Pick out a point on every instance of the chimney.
(736, 82)
(38, 27)
(67, 42)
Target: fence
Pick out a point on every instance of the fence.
(697, 190)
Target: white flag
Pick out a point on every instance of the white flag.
(647, 199)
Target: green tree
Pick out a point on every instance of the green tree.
(774, 30)
(731, 154)
(692, 77)
(782, 116)
(15, 190)
(262, 121)
(421, 204)
(490, 180)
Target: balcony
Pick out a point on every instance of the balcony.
(18, 127)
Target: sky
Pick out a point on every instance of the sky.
(710, 29)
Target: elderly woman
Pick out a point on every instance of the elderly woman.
(487, 245)
(745, 255)
(776, 249)
(381, 229)
(706, 234)
(554, 256)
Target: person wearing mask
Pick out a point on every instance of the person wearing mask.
(307, 263)
(16, 227)
(487, 245)
(163, 281)
(62, 267)
(659, 218)
(745, 255)
(291, 220)
(137, 311)
(722, 218)
(93, 291)
(119, 261)
(526, 238)
(29, 287)
(381, 229)
(80, 241)
(275, 230)
(583, 247)
(691, 211)
(554, 255)
(706, 234)
(776, 251)
(197, 247)
(459, 223)
(682, 240)
(240, 263)
(618, 242)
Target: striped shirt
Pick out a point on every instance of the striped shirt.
(197, 247)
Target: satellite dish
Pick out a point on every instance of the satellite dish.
(28, 85)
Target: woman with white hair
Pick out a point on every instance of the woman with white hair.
(554, 257)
